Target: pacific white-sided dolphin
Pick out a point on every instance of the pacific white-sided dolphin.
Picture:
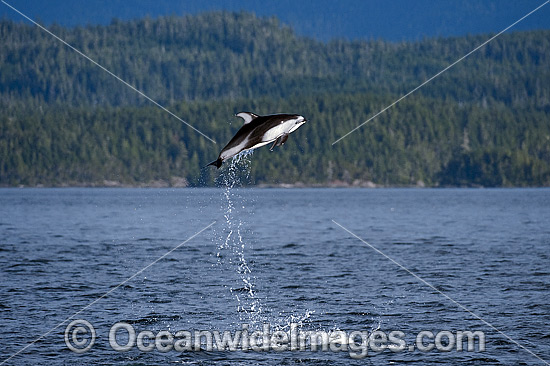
(259, 131)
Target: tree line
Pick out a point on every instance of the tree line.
(63, 121)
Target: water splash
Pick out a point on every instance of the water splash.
(232, 244)
(231, 249)
(284, 322)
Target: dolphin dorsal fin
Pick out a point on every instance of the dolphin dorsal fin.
(247, 116)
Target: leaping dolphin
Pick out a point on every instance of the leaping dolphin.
(259, 131)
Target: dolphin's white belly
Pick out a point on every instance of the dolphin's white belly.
(259, 145)
(276, 132)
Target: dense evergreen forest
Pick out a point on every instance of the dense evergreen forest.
(64, 121)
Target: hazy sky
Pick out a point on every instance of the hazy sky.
(323, 19)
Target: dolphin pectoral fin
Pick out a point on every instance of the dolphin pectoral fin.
(283, 139)
(275, 143)
(279, 141)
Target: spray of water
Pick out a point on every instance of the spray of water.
(231, 251)
(232, 244)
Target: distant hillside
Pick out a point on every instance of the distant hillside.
(391, 20)
(65, 121)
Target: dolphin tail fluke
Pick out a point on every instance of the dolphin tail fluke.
(217, 163)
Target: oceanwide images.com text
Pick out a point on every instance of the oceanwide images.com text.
(80, 337)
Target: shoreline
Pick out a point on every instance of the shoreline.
(178, 183)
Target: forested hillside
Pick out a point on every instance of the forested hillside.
(64, 121)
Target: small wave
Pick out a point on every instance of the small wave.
(290, 245)
(242, 289)
(152, 319)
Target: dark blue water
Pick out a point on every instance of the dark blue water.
(275, 256)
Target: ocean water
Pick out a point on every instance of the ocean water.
(280, 257)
